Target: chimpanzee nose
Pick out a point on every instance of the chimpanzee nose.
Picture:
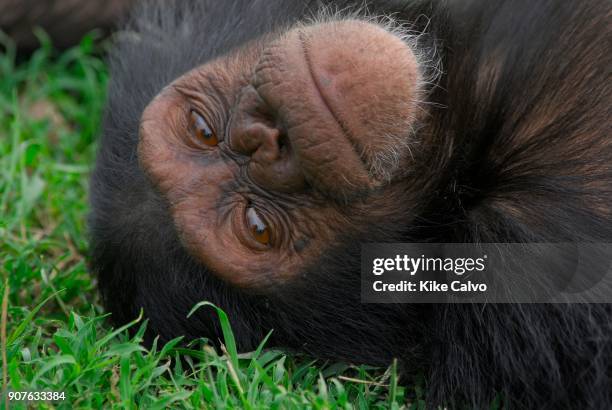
(256, 139)
(253, 132)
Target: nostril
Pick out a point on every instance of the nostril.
(283, 143)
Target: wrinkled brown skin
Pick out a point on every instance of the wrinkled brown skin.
(299, 120)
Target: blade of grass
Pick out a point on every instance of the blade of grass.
(5, 297)
(26, 321)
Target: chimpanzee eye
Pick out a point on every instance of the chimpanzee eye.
(202, 130)
(257, 226)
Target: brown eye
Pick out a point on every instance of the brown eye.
(258, 228)
(202, 130)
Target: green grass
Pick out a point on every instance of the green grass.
(57, 337)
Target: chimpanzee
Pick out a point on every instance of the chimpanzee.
(250, 146)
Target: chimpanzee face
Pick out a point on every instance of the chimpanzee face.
(266, 154)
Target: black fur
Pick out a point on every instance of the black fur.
(521, 127)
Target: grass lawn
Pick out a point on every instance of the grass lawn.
(55, 335)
